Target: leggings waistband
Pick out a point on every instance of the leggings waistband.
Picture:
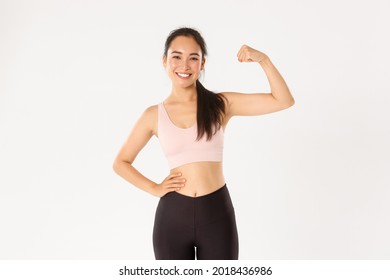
(198, 198)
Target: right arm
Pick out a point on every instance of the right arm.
(141, 133)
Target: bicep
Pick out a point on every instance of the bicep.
(253, 104)
(138, 138)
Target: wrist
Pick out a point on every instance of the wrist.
(265, 60)
(154, 189)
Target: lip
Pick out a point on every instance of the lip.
(184, 78)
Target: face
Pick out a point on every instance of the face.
(183, 61)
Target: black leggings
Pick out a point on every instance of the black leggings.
(205, 222)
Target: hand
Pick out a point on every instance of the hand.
(173, 182)
(248, 54)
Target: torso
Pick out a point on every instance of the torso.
(202, 178)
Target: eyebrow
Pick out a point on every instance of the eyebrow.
(182, 53)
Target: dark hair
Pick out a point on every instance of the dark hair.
(210, 106)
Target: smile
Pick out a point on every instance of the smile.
(183, 75)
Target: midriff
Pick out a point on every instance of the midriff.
(202, 178)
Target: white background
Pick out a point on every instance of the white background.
(310, 182)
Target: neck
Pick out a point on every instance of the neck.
(180, 94)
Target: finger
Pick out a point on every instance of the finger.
(246, 57)
(178, 180)
(240, 50)
(174, 190)
(245, 54)
(241, 53)
(238, 56)
(176, 185)
(241, 56)
(173, 185)
(173, 175)
(175, 182)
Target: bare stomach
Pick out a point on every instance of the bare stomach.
(201, 178)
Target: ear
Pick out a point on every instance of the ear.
(164, 61)
(203, 63)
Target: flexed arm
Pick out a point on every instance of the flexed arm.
(260, 103)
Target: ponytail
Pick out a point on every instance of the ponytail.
(210, 111)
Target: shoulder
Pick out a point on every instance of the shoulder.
(150, 116)
(151, 110)
(227, 99)
(228, 96)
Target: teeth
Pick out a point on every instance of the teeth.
(183, 75)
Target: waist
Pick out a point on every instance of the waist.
(202, 178)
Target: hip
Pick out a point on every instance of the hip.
(180, 209)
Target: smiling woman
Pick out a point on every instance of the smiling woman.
(183, 61)
(195, 209)
(184, 58)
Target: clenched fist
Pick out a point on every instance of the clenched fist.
(248, 54)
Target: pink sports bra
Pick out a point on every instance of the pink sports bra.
(180, 146)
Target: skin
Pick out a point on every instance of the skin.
(198, 178)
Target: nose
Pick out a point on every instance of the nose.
(185, 64)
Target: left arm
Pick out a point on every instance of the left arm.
(240, 104)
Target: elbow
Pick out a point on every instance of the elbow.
(117, 166)
(288, 104)
(286, 101)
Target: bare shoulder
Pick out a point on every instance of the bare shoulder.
(149, 118)
(140, 134)
(151, 110)
(230, 97)
(225, 98)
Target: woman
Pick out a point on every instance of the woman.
(195, 216)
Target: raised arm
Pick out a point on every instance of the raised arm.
(241, 104)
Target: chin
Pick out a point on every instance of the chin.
(186, 84)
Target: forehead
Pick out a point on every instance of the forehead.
(185, 45)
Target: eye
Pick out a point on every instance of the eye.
(176, 57)
(194, 58)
